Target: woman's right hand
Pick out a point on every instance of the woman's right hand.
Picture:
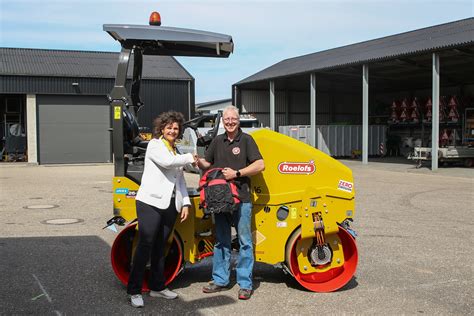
(201, 163)
(196, 160)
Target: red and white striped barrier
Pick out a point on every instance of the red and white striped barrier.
(382, 149)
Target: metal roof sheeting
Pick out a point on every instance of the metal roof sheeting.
(67, 63)
(215, 102)
(454, 34)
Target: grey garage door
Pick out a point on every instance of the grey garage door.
(73, 129)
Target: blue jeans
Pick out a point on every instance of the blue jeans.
(222, 248)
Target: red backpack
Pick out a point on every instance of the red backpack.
(217, 195)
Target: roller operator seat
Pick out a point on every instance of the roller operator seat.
(133, 144)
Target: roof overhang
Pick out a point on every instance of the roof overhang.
(438, 38)
(171, 41)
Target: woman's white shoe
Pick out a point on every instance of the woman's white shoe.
(136, 300)
(166, 293)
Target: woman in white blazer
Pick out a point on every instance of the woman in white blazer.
(161, 196)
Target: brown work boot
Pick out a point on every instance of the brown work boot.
(245, 294)
(214, 288)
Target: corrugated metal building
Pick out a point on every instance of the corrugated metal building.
(328, 87)
(58, 100)
(213, 106)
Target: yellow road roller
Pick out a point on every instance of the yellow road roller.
(303, 202)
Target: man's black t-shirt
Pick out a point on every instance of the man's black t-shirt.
(236, 154)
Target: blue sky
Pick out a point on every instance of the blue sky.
(264, 31)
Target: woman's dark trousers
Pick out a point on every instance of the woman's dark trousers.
(154, 228)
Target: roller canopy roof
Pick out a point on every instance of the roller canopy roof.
(161, 40)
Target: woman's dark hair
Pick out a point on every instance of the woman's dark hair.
(166, 118)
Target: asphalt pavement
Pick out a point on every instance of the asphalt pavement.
(415, 235)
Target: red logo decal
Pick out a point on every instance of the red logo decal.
(236, 150)
(345, 186)
(297, 167)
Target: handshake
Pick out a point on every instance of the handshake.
(197, 161)
(203, 164)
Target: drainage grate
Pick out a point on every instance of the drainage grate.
(62, 221)
(41, 206)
